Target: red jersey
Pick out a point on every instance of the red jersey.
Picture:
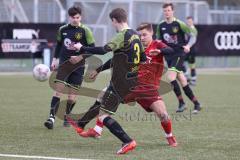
(150, 73)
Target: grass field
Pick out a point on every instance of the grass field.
(212, 134)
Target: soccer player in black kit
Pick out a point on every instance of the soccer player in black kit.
(67, 36)
(172, 32)
(128, 52)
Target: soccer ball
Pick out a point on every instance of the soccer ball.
(41, 72)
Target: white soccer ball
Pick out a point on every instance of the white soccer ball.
(41, 72)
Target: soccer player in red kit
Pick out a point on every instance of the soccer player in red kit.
(146, 93)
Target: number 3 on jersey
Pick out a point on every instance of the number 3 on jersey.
(137, 52)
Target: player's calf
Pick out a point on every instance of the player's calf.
(69, 107)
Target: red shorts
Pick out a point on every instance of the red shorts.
(145, 95)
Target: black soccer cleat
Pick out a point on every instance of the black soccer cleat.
(49, 123)
(197, 108)
(181, 107)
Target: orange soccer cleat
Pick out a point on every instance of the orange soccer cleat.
(73, 123)
(90, 133)
(127, 147)
(172, 141)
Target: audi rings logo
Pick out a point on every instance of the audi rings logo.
(227, 40)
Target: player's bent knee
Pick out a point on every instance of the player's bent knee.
(182, 79)
(171, 76)
(164, 117)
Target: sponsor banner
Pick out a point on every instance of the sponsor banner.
(19, 40)
(10, 45)
(217, 40)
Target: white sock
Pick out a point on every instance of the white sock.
(168, 135)
(98, 129)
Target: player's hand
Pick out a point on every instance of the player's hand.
(71, 47)
(75, 59)
(154, 52)
(77, 46)
(54, 64)
(93, 74)
(186, 48)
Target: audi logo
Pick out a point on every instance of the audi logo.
(227, 40)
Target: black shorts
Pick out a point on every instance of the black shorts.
(110, 100)
(190, 57)
(175, 63)
(68, 73)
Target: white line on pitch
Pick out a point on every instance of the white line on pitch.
(39, 157)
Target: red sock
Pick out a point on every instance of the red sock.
(167, 126)
(99, 123)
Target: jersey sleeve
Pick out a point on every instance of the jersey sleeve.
(105, 66)
(116, 42)
(59, 44)
(143, 56)
(89, 36)
(165, 49)
(194, 30)
(189, 31)
(158, 33)
(184, 27)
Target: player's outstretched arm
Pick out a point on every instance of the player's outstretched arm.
(167, 51)
(92, 50)
(101, 68)
(105, 66)
(192, 36)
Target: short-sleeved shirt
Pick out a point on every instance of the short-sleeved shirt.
(151, 71)
(67, 36)
(173, 34)
(128, 52)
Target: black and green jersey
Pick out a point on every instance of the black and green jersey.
(67, 36)
(128, 52)
(127, 42)
(174, 34)
(194, 31)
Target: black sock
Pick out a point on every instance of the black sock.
(92, 112)
(116, 129)
(70, 105)
(54, 106)
(177, 91)
(190, 95)
(193, 72)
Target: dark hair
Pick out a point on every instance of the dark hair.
(165, 5)
(119, 14)
(147, 26)
(72, 11)
(189, 17)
